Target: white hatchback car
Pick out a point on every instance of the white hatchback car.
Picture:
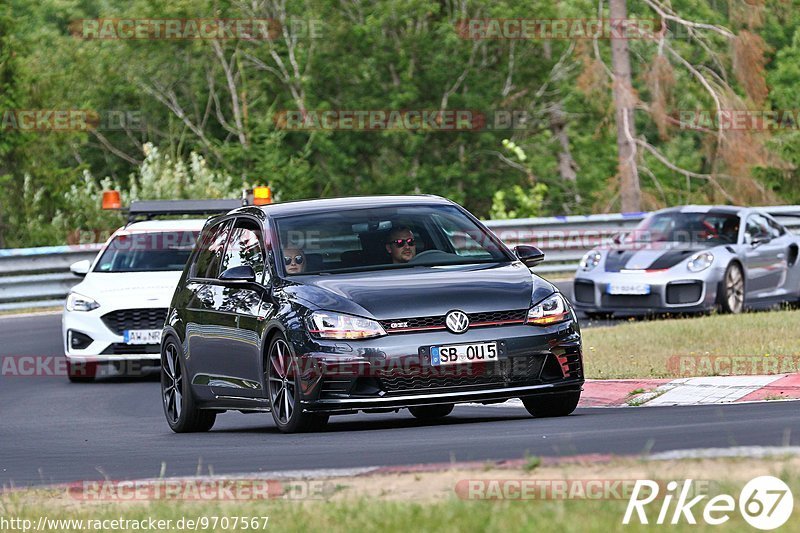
(115, 315)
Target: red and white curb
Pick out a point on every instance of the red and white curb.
(684, 391)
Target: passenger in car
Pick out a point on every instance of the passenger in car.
(401, 245)
(295, 260)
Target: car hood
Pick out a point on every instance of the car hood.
(650, 256)
(130, 289)
(424, 291)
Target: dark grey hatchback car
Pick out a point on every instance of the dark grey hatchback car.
(314, 308)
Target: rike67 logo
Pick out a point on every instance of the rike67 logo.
(765, 503)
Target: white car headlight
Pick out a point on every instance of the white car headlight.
(328, 325)
(553, 310)
(79, 302)
(591, 260)
(700, 261)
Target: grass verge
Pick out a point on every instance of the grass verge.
(762, 341)
(431, 501)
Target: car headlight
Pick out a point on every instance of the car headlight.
(328, 325)
(591, 260)
(700, 261)
(553, 310)
(79, 302)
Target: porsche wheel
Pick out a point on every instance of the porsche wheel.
(732, 295)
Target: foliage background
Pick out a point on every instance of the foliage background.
(207, 108)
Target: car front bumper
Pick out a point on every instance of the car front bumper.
(670, 291)
(105, 345)
(395, 371)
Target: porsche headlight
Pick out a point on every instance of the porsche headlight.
(591, 260)
(553, 310)
(700, 261)
(79, 302)
(328, 325)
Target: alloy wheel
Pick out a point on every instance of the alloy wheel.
(172, 383)
(734, 285)
(282, 388)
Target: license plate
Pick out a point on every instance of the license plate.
(480, 352)
(142, 336)
(628, 288)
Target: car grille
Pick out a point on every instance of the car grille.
(632, 301)
(491, 318)
(514, 372)
(584, 291)
(684, 293)
(119, 321)
(132, 349)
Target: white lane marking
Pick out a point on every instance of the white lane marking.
(710, 390)
(735, 451)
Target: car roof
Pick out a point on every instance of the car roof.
(301, 207)
(194, 224)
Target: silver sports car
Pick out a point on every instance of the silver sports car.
(689, 259)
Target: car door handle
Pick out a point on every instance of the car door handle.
(781, 256)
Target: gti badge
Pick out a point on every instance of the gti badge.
(457, 321)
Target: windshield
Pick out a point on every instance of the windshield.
(691, 228)
(383, 238)
(147, 252)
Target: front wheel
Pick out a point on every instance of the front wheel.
(732, 295)
(552, 404)
(183, 415)
(431, 412)
(283, 388)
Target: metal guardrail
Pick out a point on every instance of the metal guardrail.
(40, 277)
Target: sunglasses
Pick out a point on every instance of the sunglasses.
(399, 243)
(298, 260)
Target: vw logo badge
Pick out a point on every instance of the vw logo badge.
(457, 321)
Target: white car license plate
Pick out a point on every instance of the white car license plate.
(142, 336)
(628, 288)
(479, 352)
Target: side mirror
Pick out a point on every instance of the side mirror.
(758, 241)
(81, 268)
(530, 255)
(243, 273)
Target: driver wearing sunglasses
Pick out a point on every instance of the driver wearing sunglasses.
(401, 245)
(294, 259)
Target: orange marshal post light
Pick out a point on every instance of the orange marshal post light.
(111, 200)
(262, 195)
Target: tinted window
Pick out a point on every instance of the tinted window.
(209, 255)
(147, 252)
(757, 229)
(244, 248)
(776, 229)
(710, 228)
(382, 238)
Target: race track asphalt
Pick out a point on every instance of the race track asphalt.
(52, 431)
